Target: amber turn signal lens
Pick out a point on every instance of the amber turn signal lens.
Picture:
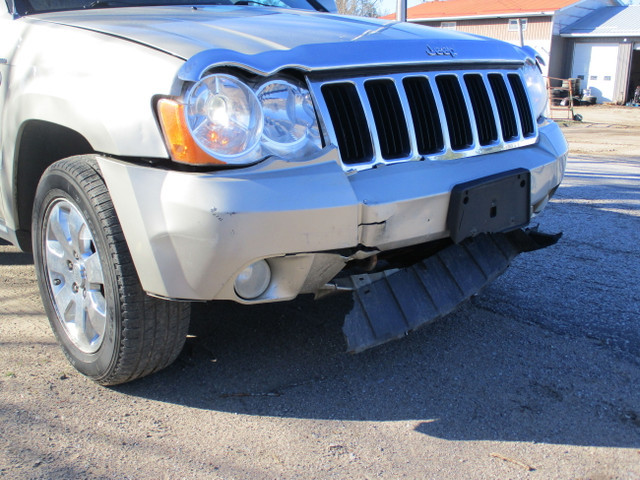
(182, 147)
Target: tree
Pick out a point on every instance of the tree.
(360, 8)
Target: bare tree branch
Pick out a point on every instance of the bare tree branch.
(360, 8)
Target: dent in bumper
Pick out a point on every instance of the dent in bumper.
(190, 233)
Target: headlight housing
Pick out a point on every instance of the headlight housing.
(289, 116)
(224, 117)
(536, 86)
(224, 120)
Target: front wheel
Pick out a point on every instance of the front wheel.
(108, 327)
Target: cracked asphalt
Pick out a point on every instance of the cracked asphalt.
(535, 378)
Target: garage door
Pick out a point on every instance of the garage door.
(595, 64)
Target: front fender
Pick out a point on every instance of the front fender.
(100, 86)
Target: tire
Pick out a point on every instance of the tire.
(108, 327)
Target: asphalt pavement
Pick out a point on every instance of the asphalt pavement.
(589, 283)
(535, 378)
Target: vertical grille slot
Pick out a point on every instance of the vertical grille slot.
(524, 110)
(349, 122)
(456, 112)
(482, 111)
(424, 112)
(389, 119)
(505, 108)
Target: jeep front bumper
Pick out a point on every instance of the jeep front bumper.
(191, 234)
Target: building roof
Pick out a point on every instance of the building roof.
(454, 9)
(607, 22)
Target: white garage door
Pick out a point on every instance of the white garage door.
(595, 64)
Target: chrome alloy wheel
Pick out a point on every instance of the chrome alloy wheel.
(76, 279)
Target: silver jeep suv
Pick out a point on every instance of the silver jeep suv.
(160, 152)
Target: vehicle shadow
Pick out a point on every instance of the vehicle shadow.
(10, 255)
(473, 376)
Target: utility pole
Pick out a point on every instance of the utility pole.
(519, 30)
(401, 11)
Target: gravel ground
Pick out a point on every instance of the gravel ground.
(535, 378)
(608, 131)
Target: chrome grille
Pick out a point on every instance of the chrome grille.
(505, 107)
(389, 118)
(487, 131)
(434, 115)
(528, 128)
(424, 113)
(350, 126)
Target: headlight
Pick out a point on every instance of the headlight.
(224, 117)
(537, 87)
(224, 121)
(289, 117)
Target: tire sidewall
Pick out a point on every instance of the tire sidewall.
(58, 184)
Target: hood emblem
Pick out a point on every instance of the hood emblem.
(440, 51)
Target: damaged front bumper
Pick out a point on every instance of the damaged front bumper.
(191, 234)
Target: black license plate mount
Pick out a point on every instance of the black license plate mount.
(493, 204)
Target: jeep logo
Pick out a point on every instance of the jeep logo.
(441, 51)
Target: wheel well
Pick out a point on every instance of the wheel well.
(40, 144)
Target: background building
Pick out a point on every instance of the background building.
(595, 40)
(605, 52)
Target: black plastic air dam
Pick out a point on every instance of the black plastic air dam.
(390, 304)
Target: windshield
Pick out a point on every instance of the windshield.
(29, 7)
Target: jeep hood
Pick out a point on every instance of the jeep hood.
(266, 40)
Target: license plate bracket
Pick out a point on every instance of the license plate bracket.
(493, 204)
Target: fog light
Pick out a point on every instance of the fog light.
(253, 280)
